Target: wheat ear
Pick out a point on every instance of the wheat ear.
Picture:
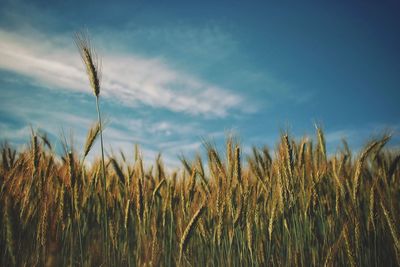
(187, 234)
(90, 60)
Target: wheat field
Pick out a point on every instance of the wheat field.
(295, 205)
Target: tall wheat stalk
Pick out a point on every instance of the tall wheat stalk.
(91, 63)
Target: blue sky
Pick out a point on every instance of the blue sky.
(175, 72)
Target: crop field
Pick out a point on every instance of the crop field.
(296, 205)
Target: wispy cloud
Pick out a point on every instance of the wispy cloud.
(338, 135)
(15, 133)
(358, 137)
(116, 139)
(181, 146)
(210, 41)
(127, 78)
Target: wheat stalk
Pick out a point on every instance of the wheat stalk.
(359, 166)
(187, 234)
(392, 226)
(349, 251)
(91, 138)
(91, 62)
(9, 232)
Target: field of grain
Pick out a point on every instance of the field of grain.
(293, 206)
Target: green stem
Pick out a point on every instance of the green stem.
(80, 238)
(71, 228)
(104, 182)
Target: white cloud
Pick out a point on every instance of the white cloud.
(210, 40)
(8, 133)
(115, 139)
(127, 78)
(338, 135)
(180, 146)
(121, 131)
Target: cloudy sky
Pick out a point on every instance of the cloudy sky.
(177, 72)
